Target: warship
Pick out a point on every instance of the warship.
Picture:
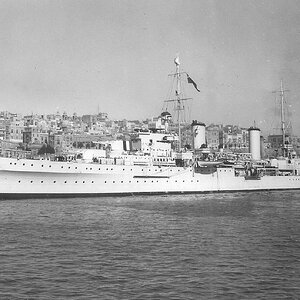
(154, 162)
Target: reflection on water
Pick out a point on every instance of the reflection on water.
(215, 246)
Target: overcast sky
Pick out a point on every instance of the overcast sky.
(74, 56)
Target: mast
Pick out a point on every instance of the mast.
(282, 116)
(178, 98)
(179, 107)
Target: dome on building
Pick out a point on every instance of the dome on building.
(165, 114)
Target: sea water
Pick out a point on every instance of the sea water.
(214, 246)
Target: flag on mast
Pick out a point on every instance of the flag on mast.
(176, 61)
(190, 80)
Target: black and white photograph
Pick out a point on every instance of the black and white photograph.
(149, 149)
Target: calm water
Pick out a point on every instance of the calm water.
(216, 246)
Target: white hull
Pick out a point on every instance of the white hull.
(21, 178)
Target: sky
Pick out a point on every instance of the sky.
(114, 56)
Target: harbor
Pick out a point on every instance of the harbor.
(149, 149)
(152, 161)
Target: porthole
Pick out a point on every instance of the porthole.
(92, 181)
(23, 164)
(113, 181)
(10, 163)
(175, 180)
(15, 163)
(42, 181)
(65, 181)
(83, 181)
(99, 169)
(69, 167)
(121, 181)
(49, 166)
(62, 167)
(104, 181)
(54, 181)
(42, 165)
(75, 168)
(76, 181)
(32, 165)
(145, 181)
(90, 168)
(31, 181)
(19, 181)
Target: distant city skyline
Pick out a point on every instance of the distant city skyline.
(115, 56)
